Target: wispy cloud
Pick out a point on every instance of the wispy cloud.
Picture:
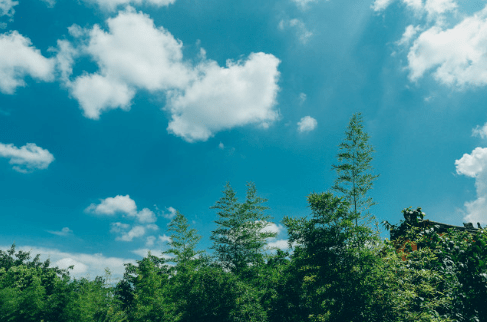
(63, 232)
(84, 264)
(302, 32)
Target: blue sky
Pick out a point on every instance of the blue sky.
(115, 113)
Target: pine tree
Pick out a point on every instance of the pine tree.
(240, 238)
(354, 169)
(183, 242)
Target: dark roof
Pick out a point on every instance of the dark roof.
(415, 218)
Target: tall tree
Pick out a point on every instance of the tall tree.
(354, 168)
(241, 234)
(183, 242)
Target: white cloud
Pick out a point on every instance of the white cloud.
(472, 164)
(97, 94)
(135, 232)
(152, 227)
(18, 58)
(273, 228)
(408, 35)
(146, 216)
(7, 7)
(280, 244)
(143, 252)
(84, 264)
(171, 213)
(150, 241)
(480, 131)
(65, 58)
(303, 4)
(111, 206)
(415, 5)
(439, 7)
(78, 267)
(27, 158)
(433, 8)
(380, 5)
(136, 55)
(475, 165)
(111, 5)
(302, 97)
(133, 54)
(64, 232)
(221, 146)
(165, 239)
(118, 227)
(222, 98)
(457, 56)
(307, 124)
(50, 3)
(303, 33)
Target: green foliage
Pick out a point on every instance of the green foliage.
(354, 168)
(183, 243)
(240, 237)
(329, 270)
(338, 269)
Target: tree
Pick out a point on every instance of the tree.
(354, 168)
(240, 237)
(183, 242)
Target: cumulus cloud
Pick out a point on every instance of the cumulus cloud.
(449, 45)
(96, 94)
(126, 206)
(133, 54)
(146, 216)
(242, 93)
(457, 56)
(7, 7)
(111, 206)
(111, 5)
(122, 205)
(202, 99)
(307, 124)
(18, 58)
(474, 165)
(303, 33)
(27, 158)
(135, 232)
(84, 264)
(64, 232)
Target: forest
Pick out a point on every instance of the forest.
(336, 268)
